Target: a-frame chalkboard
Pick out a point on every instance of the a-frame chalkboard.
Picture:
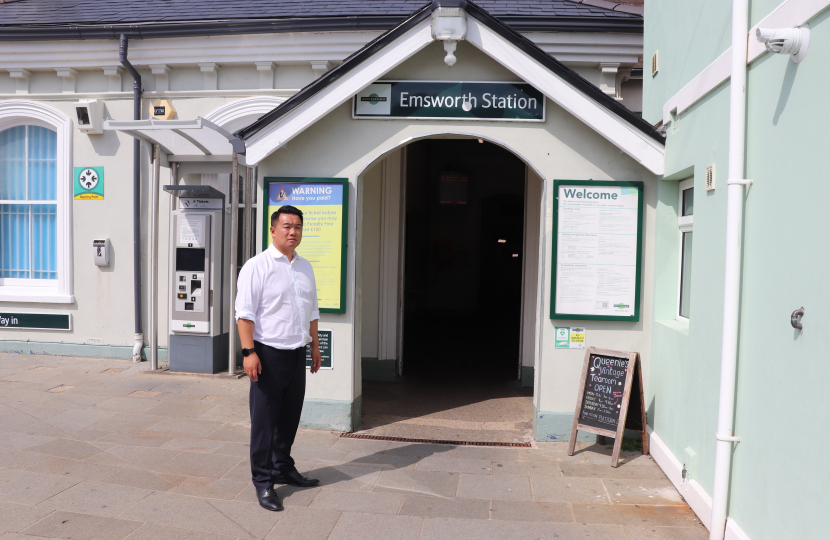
(611, 387)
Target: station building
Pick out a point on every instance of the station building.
(432, 271)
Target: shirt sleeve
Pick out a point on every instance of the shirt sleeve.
(248, 292)
(315, 311)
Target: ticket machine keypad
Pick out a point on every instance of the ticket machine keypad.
(190, 293)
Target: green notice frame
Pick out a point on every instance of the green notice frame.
(597, 263)
(325, 206)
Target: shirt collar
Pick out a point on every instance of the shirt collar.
(277, 253)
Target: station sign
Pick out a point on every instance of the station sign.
(450, 100)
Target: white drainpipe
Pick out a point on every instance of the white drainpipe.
(732, 279)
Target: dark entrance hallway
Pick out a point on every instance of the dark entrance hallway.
(462, 300)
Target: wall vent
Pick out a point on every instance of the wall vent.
(654, 64)
(710, 178)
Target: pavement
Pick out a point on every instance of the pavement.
(102, 450)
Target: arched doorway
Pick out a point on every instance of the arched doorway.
(465, 292)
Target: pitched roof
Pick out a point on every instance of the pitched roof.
(559, 83)
(475, 10)
(28, 19)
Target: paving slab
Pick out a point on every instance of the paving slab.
(232, 433)
(126, 422)
(16, 517)
(477, 486)
(22, 441)
(635, 515)
(151, 439)
(484, 453)
(139, 478)
(581, 531)
(642, 491)
(151, 531)
(415, 505)
(583, 490)
(199, 464)
(96, 498)
(531, 511)
(27, 487)
(454, 529)
(349, 477)
(73, 468)
(317, 455)
(356, 501)
(443, 464)
(186, 427)
(180, 410)
(698, 532)
(358, 445)
(305, 524)
(190, 444)
(185, 512)
(418, 483)
(78, 418)
(523, 468)
(210, 488)
(234, 449)
(380, 459)
(418, 449)
(591, 470)
(13, 459)
(354, 526)
(82, 527)
(144, 457)
(66, 448)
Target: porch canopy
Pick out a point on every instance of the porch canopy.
(183, 140)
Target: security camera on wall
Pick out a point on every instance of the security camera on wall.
(89, 116)
(792, 41)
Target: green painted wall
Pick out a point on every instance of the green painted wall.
(782, 406)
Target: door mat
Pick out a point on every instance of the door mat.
(433, 441)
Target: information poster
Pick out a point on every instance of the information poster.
(324, 203)
(324, 338)
(597, 245)
(569, 337)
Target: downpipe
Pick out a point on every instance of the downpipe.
(139, 337)
(735, 192)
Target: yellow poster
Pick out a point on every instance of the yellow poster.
(324, 206)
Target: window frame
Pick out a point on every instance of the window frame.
(684, 225)
(14, 113)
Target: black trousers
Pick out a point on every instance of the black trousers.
(276, 401)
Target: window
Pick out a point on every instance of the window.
(28, 203)
(684, 221)
(35, 203)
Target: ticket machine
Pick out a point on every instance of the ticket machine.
(199, 314)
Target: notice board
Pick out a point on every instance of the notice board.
(324, 203)
(610, 398)
(324, 338)
(597, 247)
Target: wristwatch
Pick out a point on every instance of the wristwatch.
(247, 352)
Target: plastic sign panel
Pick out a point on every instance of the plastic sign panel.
(597, 243)
(518, 102)
(324, 339)
(324, 203)
(569, 337)
(36, 321)
(89, 183)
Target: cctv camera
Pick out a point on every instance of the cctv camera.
(792, 41)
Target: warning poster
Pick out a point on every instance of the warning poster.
(324, 203)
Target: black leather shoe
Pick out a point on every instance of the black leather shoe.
(296, 479)
(268, 499)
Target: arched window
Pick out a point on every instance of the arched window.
(35, 203)
(28, 203)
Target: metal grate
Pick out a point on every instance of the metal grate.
(710, 178)
(654, 65)
(433, 441)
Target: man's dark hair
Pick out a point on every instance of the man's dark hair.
(287, 209)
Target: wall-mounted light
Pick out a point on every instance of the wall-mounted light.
(449, 24)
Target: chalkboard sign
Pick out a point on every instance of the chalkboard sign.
(324, 337)
(611, 386)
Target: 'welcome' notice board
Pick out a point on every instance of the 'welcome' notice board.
(597, 243)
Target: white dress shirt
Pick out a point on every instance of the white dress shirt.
(280, 297)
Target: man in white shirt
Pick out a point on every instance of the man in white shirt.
(277, 315)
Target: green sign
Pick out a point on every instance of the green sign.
(89, 183)
(36, 321)
(451, 100)
(569, 337)
(325, 350)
